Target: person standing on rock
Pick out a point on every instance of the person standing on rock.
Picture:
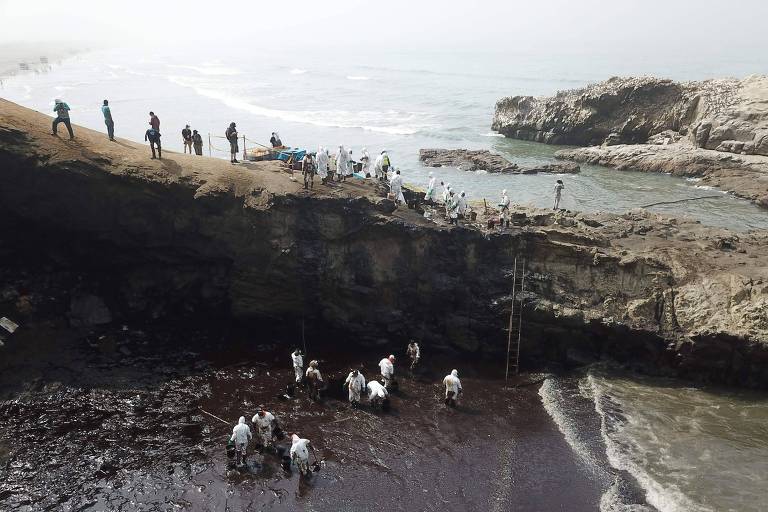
(558, 193)
(62, 116)
(452, 208)
(387, 366)
(355, 383)
(241, 434)
(314, 380)
(385, 165)
(446, 193)
(186, 139)
(105, 110)
(308, 171)
(153, 136)
(452, 388)
(197, 142)
(431, 195)
(298, 364)
(321, 162)
(232, 136)
(414, 353)
(504, 209)
(265, 423)
(462, 205)
(365, 158)
(341, 163)
(396, 188)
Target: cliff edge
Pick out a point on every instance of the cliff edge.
(201, 239)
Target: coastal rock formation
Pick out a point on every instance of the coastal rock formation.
(203, 240)
(651, 124)
(484, 160)
(726, 114)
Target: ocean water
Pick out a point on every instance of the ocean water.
(397, 102)
(690, 449)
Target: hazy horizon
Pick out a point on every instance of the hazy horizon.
(683, 29)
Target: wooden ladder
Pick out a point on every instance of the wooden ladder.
(515, 327)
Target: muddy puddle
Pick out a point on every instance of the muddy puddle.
(111, 420)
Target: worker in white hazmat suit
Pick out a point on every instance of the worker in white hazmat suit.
(314, 380)
(341, 163)
(265, 423)
(504, 209)
(452, 208)
(300, 453)
(452, 388)
(446, 193)
(387, 366)
(322, 164)
(241, 434)
(396, 187)
(355, 383)
(431, 195)
(365, 158)
(298, 364)
(462, 207)
(377, 166)
(414, 353)
(377, 394)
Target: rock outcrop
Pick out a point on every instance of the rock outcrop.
(484, 160)
(201, 239)
(726, 114)
(651, 124)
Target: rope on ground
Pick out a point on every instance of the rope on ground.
(681, 200)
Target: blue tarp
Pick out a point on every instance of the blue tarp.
(297, 154)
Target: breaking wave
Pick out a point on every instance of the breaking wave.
(390, 122)
(297, 71)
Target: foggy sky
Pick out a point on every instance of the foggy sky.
(678, 27)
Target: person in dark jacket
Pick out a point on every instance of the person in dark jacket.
(153, 136)
(186, 138)
(231, 135)
(197, 142)
(62, 116)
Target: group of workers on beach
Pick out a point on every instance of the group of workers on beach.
(378, 392)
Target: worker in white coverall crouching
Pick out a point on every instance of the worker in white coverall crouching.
(355, 383)
(452, 388)
(265, 422)
(300, 453)
(387, 366)
(241, 434)
(377, 394)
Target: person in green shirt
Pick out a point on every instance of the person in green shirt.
(108, 120)
(62, 116)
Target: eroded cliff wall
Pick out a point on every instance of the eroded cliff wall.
(198, 238)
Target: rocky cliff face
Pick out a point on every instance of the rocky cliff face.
(201, 239)
(725, 115)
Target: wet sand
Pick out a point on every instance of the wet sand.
(117, 425)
